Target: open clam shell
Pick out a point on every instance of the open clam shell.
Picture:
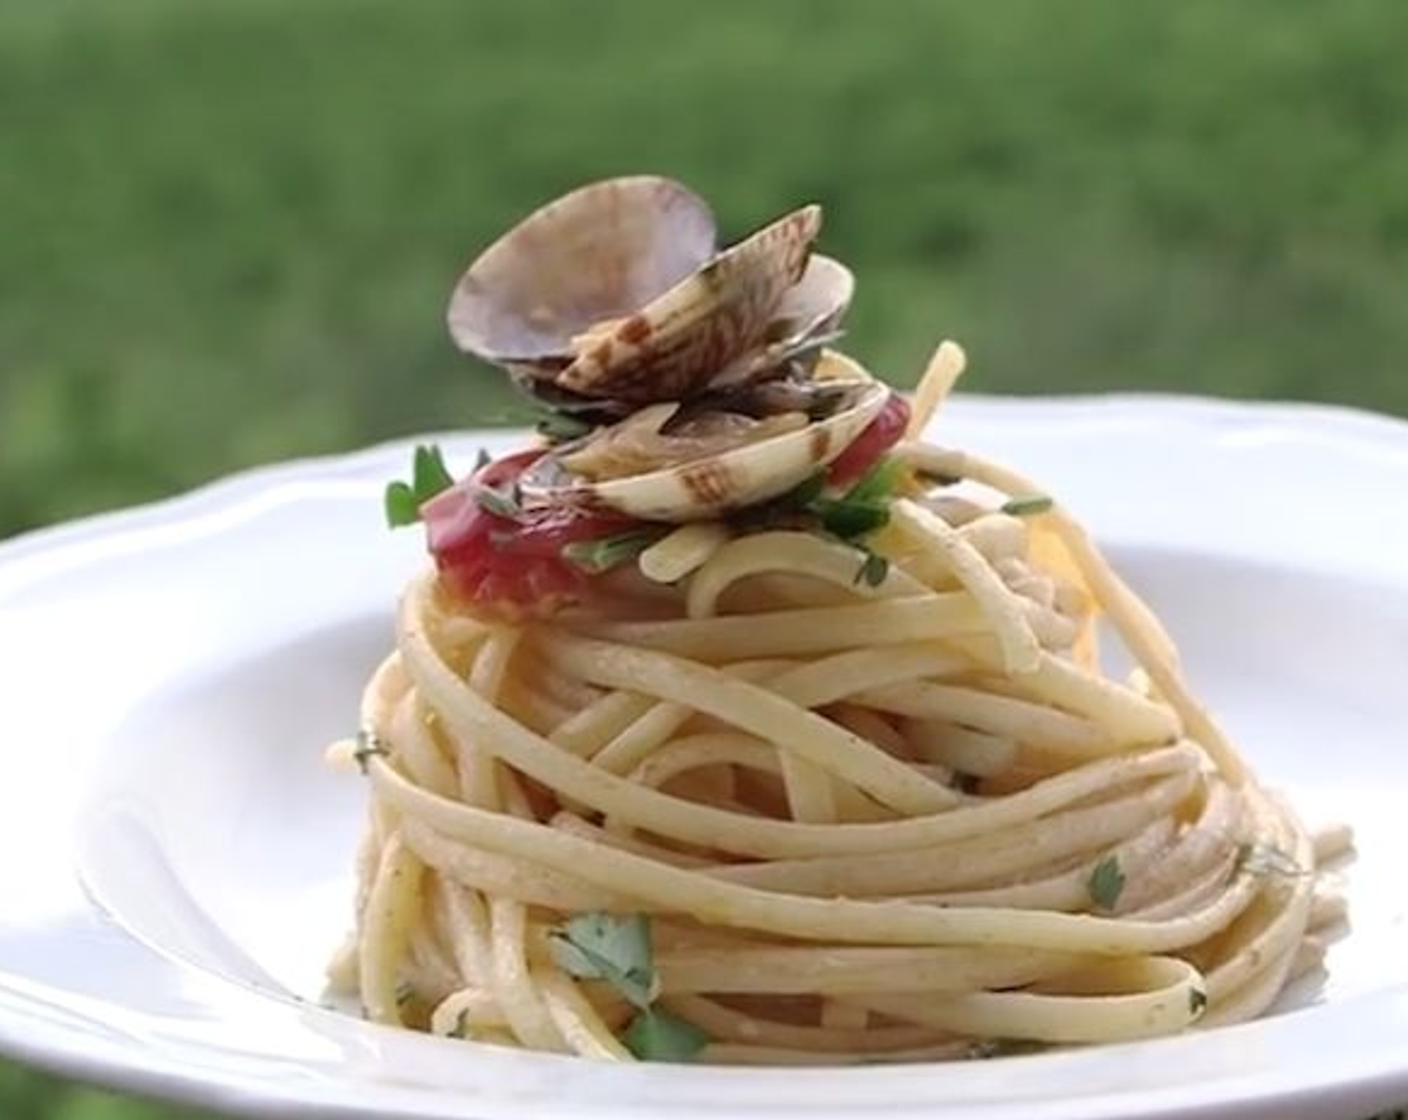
(597, 254)
(712, 485)
(807, 317)
(672, 347)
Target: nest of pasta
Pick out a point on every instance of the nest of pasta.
(833, 774)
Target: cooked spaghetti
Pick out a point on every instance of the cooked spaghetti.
(829, 775)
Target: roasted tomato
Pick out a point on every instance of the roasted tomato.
(514, 561)
(879, 436)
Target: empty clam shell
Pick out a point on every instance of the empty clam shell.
(716, 484)
(673, 346)
(597, 254)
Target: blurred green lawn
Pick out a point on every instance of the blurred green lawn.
(228, 229)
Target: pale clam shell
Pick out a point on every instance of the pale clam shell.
(601, 252)
(672, 347)
(715, 485)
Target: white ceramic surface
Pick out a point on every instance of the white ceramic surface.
(176, 858)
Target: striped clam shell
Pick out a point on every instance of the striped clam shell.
(732, 480)
(675, 345)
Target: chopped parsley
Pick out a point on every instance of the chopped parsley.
(429, 476)
(658, 1036)
(849, 520)
(617, 949)
(805, 492)
(873, 570)
(879, 483)
(605, 553)
(601, 946)
(1027, 506)
(1197, 1001)
(865, 507)
(562, 427)
(849, 516)
(1106, 883)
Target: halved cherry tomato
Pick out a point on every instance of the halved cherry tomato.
(487, 558)
(875, 439)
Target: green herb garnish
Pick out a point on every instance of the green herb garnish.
(805, 492)
(560, 427)
(429, 477)
(369, 746)
(657, 1036)
(617, 949)
(879, 483)
(1106, 883)
(1005, 1048)
(1197, 1000)
(850, 520)
(873, 570)
(861, 510)
(602, 946)
(865, 507)
(1028, 506)
(605, 553)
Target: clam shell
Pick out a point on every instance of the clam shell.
(707, 487)
(808, 314)
(599, 253)
(672, 347)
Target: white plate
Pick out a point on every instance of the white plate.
(176, 859)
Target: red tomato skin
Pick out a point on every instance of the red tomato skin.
(881, 434)
(503, 564)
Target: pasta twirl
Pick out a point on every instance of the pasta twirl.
(820, 767)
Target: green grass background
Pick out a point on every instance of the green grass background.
(228, 228)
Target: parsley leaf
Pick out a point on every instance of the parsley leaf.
(617, 949)
(602, 946)
(1197, 1000)
(560, 427)
(658, 1036)
(848, 520)
(1005, 1048)
(879, 483)
(402, 506)
(369, 745)
(805, 492)
(1106, 883)
(1027, 506)
(605, 553)
(873, 570)
(865, 507)
(429, 476)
